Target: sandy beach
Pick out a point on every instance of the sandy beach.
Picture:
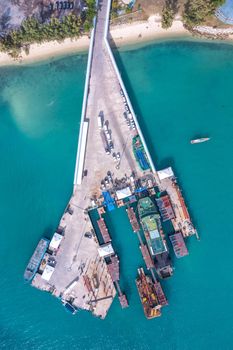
(146, 31)
(125, 34)
(39, 52)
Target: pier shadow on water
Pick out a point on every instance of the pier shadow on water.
(134, 101)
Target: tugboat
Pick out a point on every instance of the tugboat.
(203, 139)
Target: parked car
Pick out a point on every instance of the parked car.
(107, 151)
(88, 234)
(114, 157)
(109, 176)
(111, 145)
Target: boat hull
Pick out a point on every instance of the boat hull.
(35, 260)
(203, 139)
(147, 294)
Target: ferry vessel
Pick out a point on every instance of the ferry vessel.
(152, 228)
(148, 296)
(203, 139)
(35, 260)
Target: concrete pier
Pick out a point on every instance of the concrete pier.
(77, 258)
(105, 162)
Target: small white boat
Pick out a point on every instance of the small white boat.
(203, 139)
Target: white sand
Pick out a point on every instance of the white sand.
(146, 31)
(47, 50)
(134, 33)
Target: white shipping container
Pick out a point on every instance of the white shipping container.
(100, 121)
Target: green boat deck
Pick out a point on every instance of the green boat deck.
(150, 222)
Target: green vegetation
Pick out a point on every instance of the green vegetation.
(128, 9)
(218, 2)
(115, 8)
(118, 8)
(197, 11)
(32, 31)
(90, 14)
(168, 14)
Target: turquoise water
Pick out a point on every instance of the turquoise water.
(180, 90)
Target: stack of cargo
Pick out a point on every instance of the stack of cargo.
(146, 256)
(182, 203)
(160, 294)
(133, 220)
(165, 208)
(87, 283)
(178, 244)
(103, 230)
(148, 296)
(113, 268)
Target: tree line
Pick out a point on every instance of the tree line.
(32, 31)
(195, 11)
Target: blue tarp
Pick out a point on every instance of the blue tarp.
(131, 4)
(142, 159)
(108, 201)
(225, 12)
(140, 189)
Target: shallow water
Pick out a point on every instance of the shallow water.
(180, 90)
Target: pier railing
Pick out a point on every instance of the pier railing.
(82, 135)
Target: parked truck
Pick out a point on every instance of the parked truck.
(105, 142)
(100, 120)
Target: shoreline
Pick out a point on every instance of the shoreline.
(136, 33)
(46, 50)
(146, 31)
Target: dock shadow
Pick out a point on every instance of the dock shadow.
(48, 232)
(165, 163)
(132, 96)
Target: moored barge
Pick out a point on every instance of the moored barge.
(147, 292)
(178, 244)
(36, 259)
(133, 220)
